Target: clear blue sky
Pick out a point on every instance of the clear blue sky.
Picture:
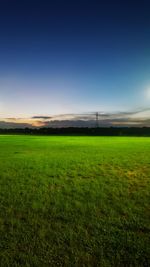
(73, 56)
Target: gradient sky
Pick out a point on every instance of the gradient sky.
(73, 56)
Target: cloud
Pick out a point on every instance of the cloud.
(139, 118)
(41, 117)
(9, 125)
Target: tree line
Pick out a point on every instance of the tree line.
(99, 131)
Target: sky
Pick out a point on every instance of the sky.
(73, 57)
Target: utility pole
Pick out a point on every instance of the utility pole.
(97, 121)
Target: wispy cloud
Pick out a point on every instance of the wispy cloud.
(42, 117)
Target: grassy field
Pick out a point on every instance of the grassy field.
(74, 201)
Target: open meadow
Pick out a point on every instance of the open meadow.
(74, 201)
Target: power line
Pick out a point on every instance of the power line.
(97, 120)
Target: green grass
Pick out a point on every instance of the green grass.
(74, 201)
